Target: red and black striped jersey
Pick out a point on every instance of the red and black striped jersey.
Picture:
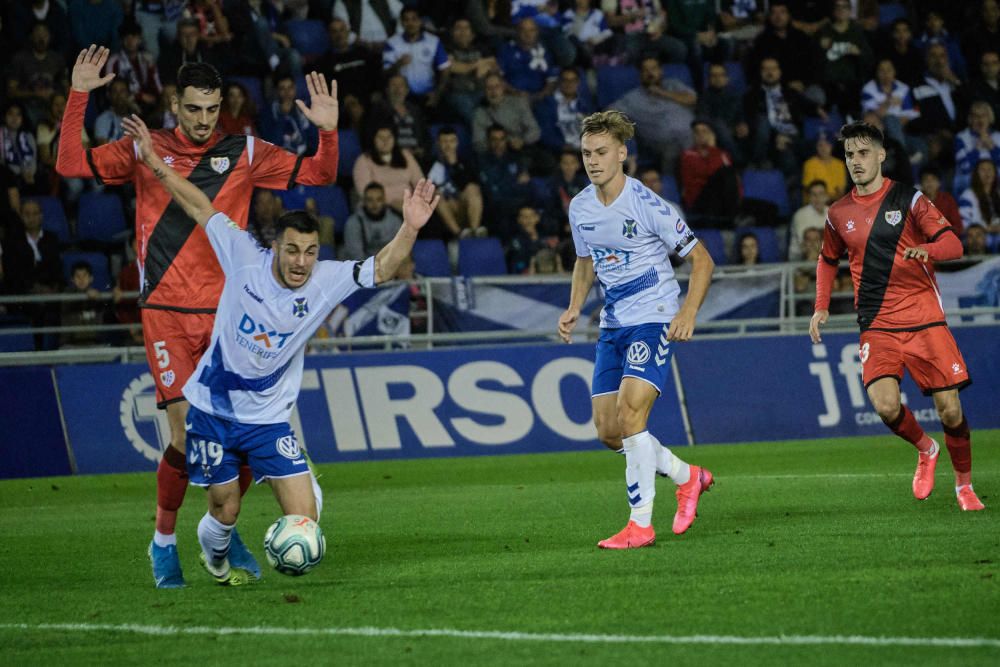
(179, 269)
(890, 293)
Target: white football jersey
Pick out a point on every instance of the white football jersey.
(630, 242)
(252, 370)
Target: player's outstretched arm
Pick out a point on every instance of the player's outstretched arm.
(324, 111)
(583, 280)
(191, 199)
(87, 69)
(418, 205)
(682, 327)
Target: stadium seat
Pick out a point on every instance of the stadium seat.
(714, 244)
(331, 201)
(327, 252)
(541, 195)
(98, 262)
(100, 218)
(767, 185)
(767, 242)
(254, 88)
(309, 38)
(350, 149)
(481, 257)
(613, 81)
(292, 200)
(889, 12)
(669, 189)
(812, 127)
(53, 217)
(430, 258)
(679, 71)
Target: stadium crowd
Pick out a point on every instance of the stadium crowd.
(737, 105)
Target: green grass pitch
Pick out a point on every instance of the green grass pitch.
(818, 539)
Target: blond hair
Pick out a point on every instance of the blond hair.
(614, 123)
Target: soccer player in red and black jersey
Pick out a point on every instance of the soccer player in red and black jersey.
(892, 235)
(179, 275)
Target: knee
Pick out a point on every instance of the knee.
(226, 512)
(887, 408)
(950, 414)
(609, 433)
(630, 419)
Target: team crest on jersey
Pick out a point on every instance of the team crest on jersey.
(300, 308)
(628, 228)
(220, 165)
(167, 378)
(894, 217)
(850, 225)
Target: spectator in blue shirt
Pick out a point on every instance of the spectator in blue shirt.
(526, 64)
(418, 56)
(561, 114)
(284, 125)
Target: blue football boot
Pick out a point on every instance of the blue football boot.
(166, 566)
(240, 557)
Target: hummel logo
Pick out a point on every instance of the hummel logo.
(587, 228)
(188, 427)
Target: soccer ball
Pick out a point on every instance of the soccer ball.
(294, 544)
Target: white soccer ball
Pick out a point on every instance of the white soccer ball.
(294, 544)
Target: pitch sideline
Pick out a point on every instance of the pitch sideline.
(775, 640)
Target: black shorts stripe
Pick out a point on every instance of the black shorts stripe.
(897, 378)
(919, 327)
(880, 252)
(177, 309)
(174, 226)
(93, 167)
(295, 172)
(960, 386)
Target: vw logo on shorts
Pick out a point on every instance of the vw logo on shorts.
(638, 353)
(288, 447)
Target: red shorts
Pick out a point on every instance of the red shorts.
(174, 344)
(930, 355)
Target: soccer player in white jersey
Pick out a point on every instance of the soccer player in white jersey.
(245, 385)
(624, 233)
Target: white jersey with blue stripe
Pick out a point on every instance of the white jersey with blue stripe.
(630, 241)
(252, 370)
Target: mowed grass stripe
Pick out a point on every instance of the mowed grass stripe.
(449, 633)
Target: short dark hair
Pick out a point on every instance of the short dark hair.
(814, 183)
(930, 170)
(301, 221)
(447, 129)
(129, 27)
(495, 127)
(860, 130)
(200, 76)
(82, 264)
(374, 185)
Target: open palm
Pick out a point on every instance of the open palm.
(87, 69)
(419, 204)
(324, 111)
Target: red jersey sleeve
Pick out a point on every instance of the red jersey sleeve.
(277, 169)
(826, 267)
(114, 163)
(111, 164)
(942, 242)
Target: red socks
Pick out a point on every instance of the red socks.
(906, 427)
(959, 443)
(171, 485)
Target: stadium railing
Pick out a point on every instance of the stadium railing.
(792, 317)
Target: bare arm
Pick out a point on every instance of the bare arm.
(418, 205)
(194, 202)
(702, 266)
(583, 280)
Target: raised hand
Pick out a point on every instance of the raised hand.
(136, 128)
(87, 70)
(419, 203)
(325, 111)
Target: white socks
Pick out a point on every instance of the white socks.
(318, 492)
(670, 465)
(161, 540)
(640, 476)
(214, 539)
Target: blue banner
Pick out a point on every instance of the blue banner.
(32, 442)
(784, 387)
(356, 407)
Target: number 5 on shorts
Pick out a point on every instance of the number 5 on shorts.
(162, 356)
